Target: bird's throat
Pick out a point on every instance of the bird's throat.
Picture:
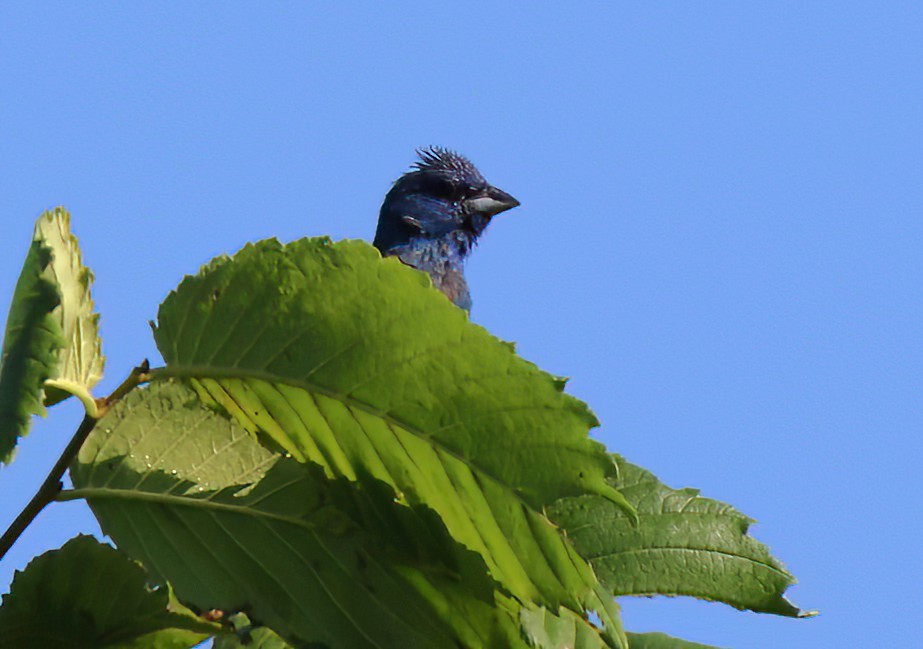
(443, 259)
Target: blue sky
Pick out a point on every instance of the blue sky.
(719, 239)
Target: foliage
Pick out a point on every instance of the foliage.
(91, 596)
(685, 545)
(294, 546)
(247, 636)
(352, 472)
(51, 348)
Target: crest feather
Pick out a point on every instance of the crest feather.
(438, 159)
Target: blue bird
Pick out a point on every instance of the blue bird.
(433, 215)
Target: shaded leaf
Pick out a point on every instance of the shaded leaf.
(258, 638)
(30, 345)
(357, 364)
(89, 595)
(51, 346)
(234, 527)
(684, 545)
(250, 637)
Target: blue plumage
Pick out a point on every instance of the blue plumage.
(433, 215)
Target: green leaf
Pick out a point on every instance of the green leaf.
(355, 363)
(563, 631)
(684, 545)
(80, 360)
(662, 641)
(30, 345)
(89, 595)
(233, 526)
(51, 347)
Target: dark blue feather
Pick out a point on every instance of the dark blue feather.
(433, 215)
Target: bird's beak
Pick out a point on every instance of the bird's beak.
(491, 202)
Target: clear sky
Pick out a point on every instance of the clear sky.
(720, 236)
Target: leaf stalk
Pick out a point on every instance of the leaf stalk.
(52, 484)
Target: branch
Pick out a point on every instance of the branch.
(52, 485)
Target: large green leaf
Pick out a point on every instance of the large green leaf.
(540, 628)
(684, 545)
(88, 595)
(233, 526)
(51, 347)
(355, 363)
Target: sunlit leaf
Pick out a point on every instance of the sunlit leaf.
(684, 545)
(563, 631)
(357, 364)
(234, 526)
(51, 346)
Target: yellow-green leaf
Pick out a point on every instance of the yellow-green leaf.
(51, 346)
(355, 363)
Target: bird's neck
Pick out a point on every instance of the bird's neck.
(449, 250)
(443, 259)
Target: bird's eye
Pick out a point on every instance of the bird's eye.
(441, 188)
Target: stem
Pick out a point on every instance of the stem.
(52, 485)
(49, 489)
(139, 375)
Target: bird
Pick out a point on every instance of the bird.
(434, 214)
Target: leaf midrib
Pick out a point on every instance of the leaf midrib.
(350, 401)
(650, 548)
(190, 501)
(197, 371)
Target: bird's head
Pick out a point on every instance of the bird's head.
(443, 197)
